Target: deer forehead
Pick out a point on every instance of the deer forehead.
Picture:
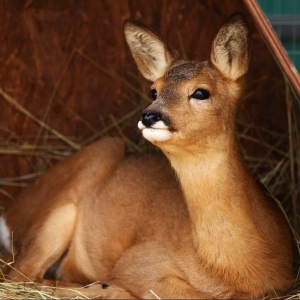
(184, 70)
(184, 77)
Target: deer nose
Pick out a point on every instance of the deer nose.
(150, 118)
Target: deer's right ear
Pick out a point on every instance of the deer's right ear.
(151, 55)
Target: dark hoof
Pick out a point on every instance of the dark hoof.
(105, 285)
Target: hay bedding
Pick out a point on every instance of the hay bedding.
(67, 79)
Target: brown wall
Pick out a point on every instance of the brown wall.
(55, 56)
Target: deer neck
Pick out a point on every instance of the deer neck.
(215, 186)
(205, 177)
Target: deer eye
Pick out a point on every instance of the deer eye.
(200, 94)
(153, 93)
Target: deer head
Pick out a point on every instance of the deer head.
(194, 103)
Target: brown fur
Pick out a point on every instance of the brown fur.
(125, 221)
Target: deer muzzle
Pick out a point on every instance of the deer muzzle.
(154, 127)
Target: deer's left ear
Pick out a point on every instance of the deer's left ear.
(230, 52)
(150, 53)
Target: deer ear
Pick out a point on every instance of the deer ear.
(151, 55)
(230, 52)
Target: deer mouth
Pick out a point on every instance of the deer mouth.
(156, 132)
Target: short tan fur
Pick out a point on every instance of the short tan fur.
(126, 221)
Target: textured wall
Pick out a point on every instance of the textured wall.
(65, 62)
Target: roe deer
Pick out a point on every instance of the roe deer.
(101, 216)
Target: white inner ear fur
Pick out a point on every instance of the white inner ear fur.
(220, 59)
(149, 53)
(230, 50)
(156, 52)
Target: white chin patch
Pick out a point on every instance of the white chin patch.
(156, 135)
(158, 132)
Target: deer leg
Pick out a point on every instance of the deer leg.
(175, 288)
(149, 271)
(43, 248)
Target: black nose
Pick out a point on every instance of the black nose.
(150, 118)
